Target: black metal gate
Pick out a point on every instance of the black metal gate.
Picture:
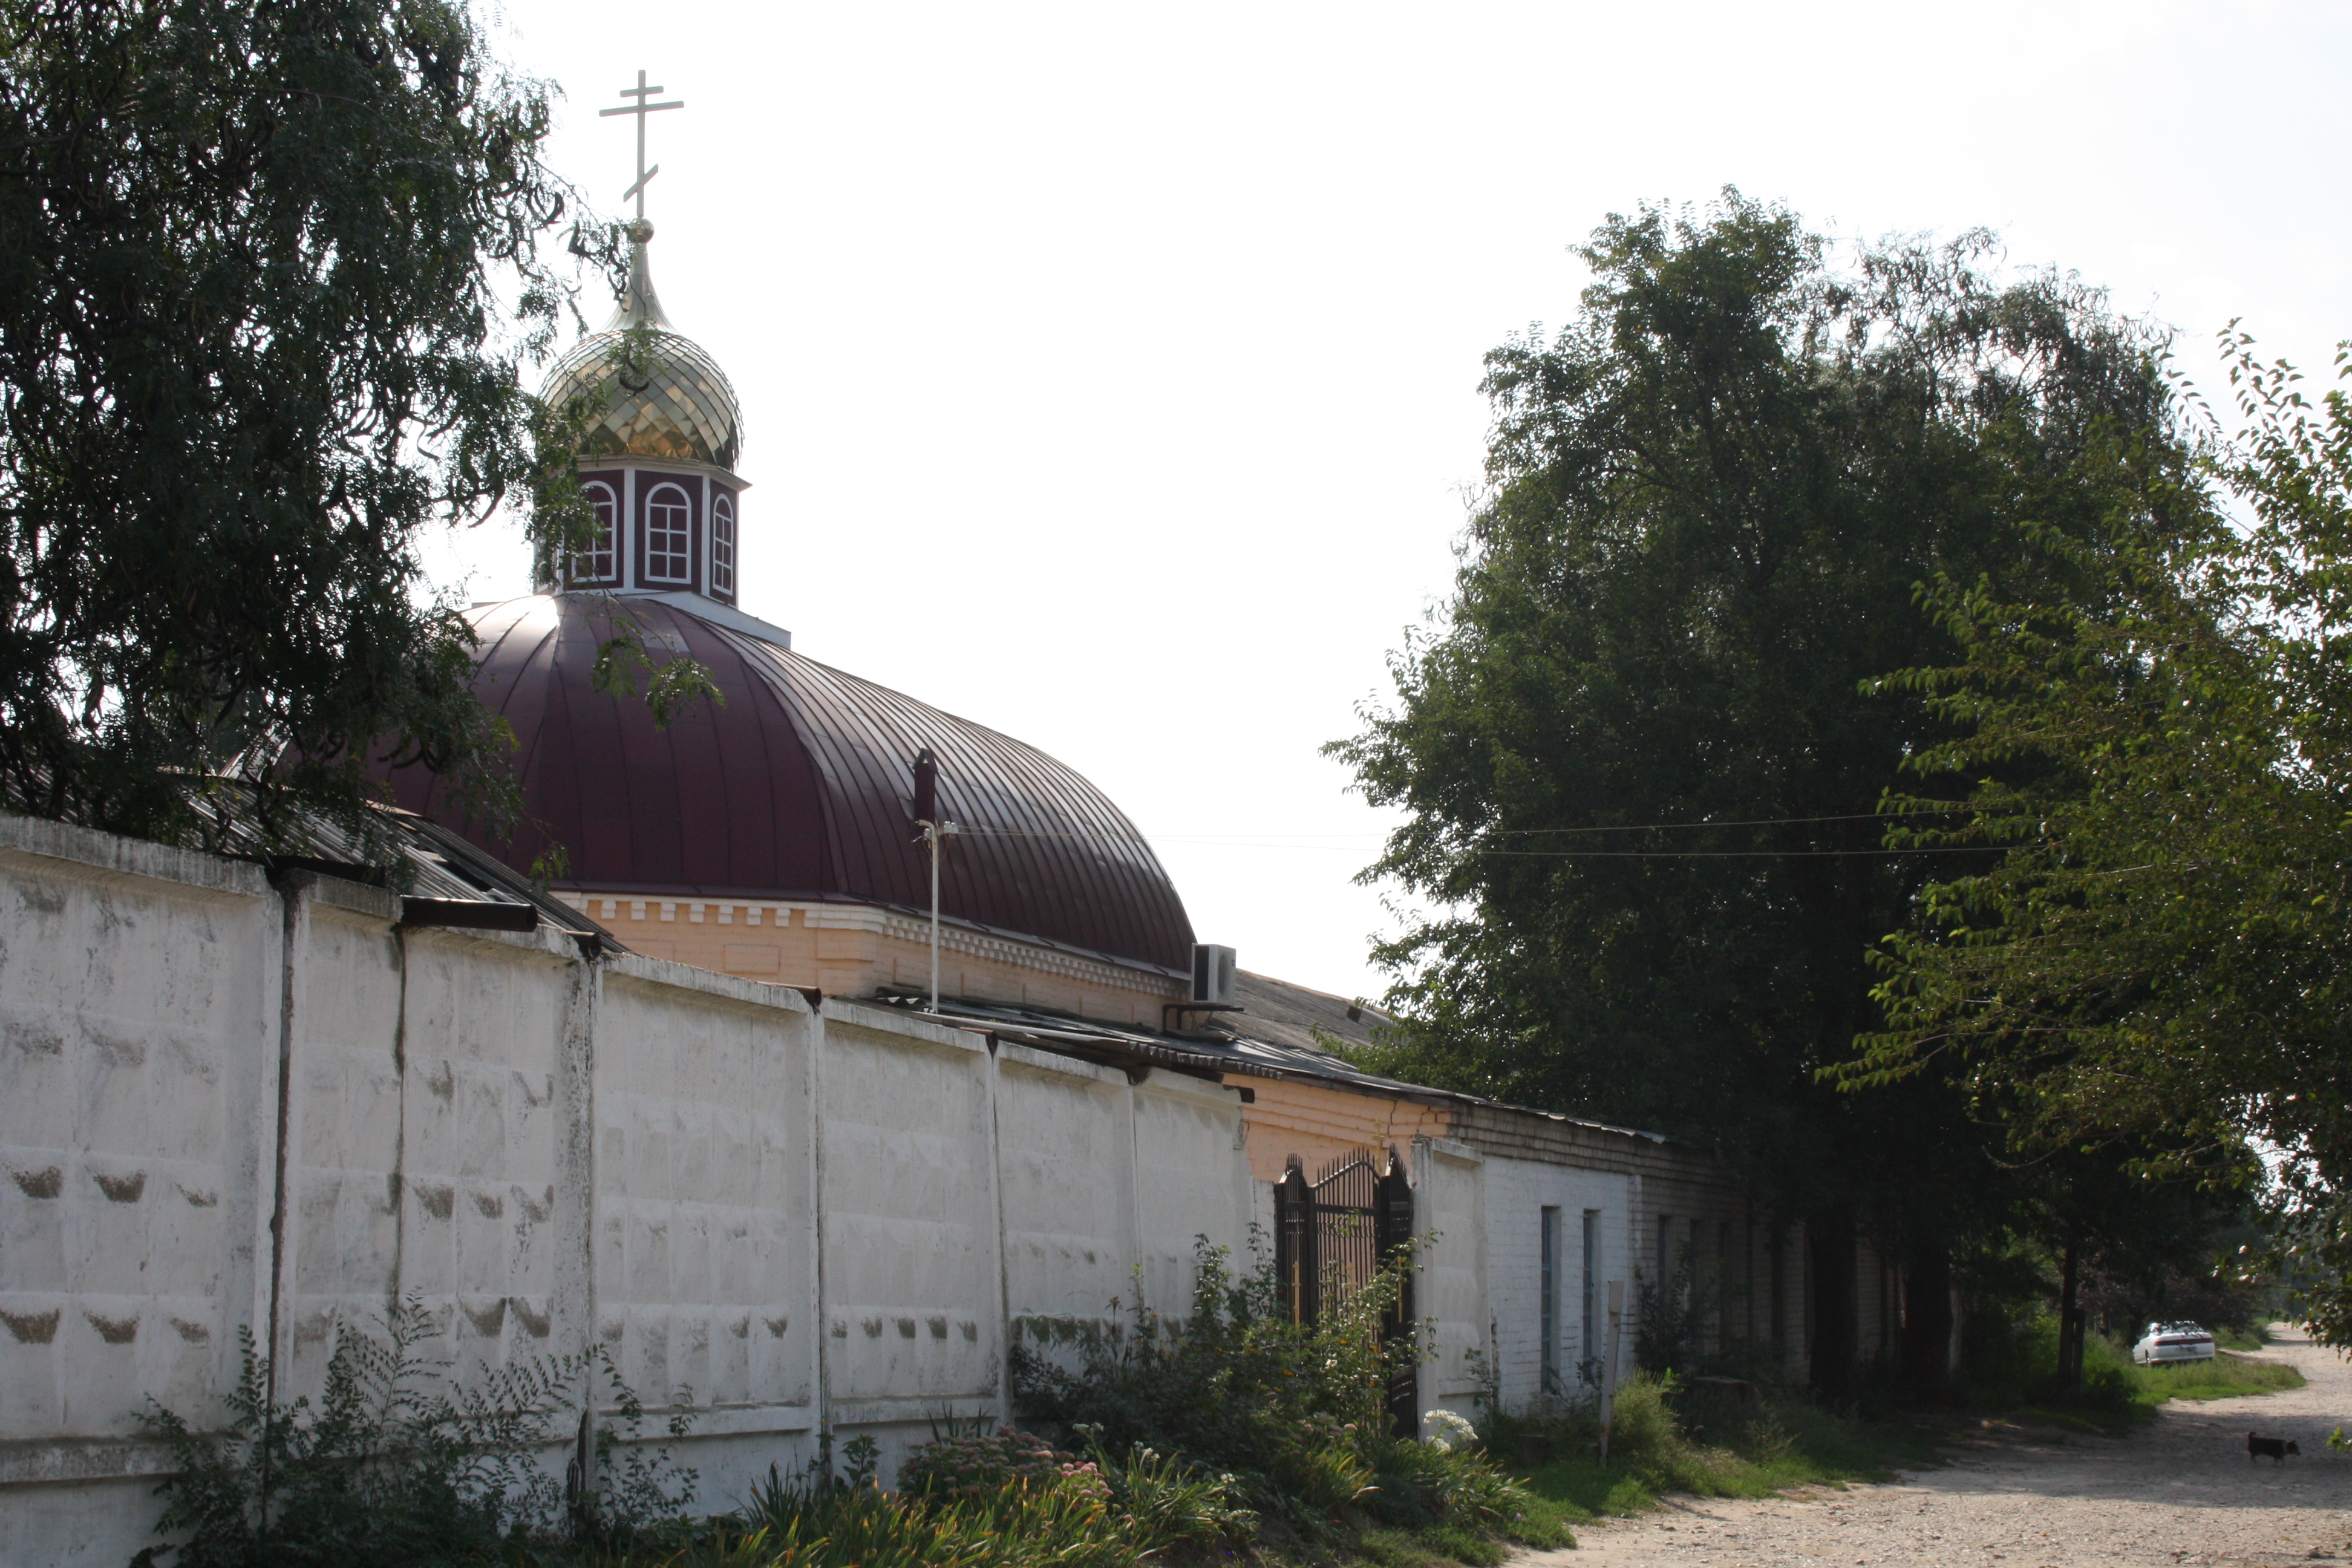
(1331, 1235)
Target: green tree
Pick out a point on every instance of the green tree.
(253, 255)
(2156, 961)
(1640, 779)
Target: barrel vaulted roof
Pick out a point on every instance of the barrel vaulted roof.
(798, 784)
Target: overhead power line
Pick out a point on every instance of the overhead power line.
(1221, 838)
(1722, 853)
(1748, 822)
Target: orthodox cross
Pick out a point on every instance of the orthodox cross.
(640, 109)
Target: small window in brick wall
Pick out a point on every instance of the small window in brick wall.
(1549, 1299)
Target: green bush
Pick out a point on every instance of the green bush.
(1293, 1416)
(1669, 1322)
(1422, 1486)
(1235, 1385)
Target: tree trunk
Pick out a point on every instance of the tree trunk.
(1928, 1323)
(1830, 1244)
(2069, 1324)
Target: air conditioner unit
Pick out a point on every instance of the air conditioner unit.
(1213, 977)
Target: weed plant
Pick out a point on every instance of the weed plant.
(974, 1499)
(1051, 1519)
(390, 1470)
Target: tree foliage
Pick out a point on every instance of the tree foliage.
(1640, 773)
(252, 264)
(2156, 960)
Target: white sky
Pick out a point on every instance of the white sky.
(1111, 372)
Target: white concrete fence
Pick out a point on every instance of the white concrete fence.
(226, 1104)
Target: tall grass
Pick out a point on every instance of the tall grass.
(1665, 1438)
(2226, 1376)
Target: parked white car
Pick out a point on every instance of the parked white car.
(2173, 1341)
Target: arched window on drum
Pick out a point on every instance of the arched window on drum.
(599, 562)
(722, 545)
(669, 522)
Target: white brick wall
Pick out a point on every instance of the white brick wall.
(1517, 1192)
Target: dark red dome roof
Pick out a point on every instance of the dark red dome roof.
(799, 785)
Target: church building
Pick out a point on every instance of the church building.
(774, 835)
(812, 1133)
(771, 834)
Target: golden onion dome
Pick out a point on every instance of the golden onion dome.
(673, 402)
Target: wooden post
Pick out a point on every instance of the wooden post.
(1609, 1363)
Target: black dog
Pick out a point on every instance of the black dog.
(2275, 1449)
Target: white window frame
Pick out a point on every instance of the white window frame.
(658, 529)
(601, 561)
(722, 545)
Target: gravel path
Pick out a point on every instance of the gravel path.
(2181, 1490)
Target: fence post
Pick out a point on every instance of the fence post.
(1393, 1219)
(1295, 1251)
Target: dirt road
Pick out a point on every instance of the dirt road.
(2181, 1490)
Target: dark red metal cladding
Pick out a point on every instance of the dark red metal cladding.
(800, 784)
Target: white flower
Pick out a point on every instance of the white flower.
(1447, 1430)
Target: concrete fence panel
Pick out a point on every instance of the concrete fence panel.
(1192, 1180)
(139, 1048)
(913, 1272)
(1066, 1151)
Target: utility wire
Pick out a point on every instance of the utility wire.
(1722, 853)
(1367, 840)
(1752, 822)
(1556, 854)
(1494, 832)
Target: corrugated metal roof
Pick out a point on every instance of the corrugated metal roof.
(798, 784)
(1229, 1045)
(438, 867)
